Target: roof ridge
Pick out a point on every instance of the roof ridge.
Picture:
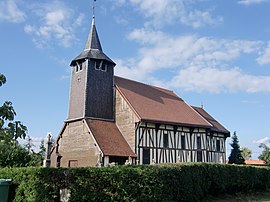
(210, 118)
(198, 113)
(145, 84)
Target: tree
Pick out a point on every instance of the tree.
(11, 153)
(236, 156)
(29, 144)
(14, 156)
(42, 149)
(2, 79)
(246, 153)
(38, 157)
(265, 155)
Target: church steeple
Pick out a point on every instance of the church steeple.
(93, 48)
(93, 39)
(92, 83)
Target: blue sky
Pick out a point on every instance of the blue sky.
(210, 52)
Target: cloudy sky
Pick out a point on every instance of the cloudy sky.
(210, 52)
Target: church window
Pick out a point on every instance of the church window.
(101, 65)
(165, 140)
(218, 145)
(104, 66)
(98, 64)
(79, 66)
(199, 145)
(58, 161)
(73, 163)
(199, 156)
(183, 143)
(146, 156)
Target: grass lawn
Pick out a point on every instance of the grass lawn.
(258, 196)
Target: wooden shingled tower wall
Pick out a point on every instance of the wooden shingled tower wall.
(91, 89)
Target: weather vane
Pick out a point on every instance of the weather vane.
(93, 7)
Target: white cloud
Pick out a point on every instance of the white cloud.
(197, 63)
(216, 80)
(197, 18)
(264, 58)
(249, 2)
(10, 12)
(161, 12)
(56, 25)
(265, 140)
(170, 51)
(119, 2)
(144, 36)
(121, 21)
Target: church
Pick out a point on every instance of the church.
(114, 120)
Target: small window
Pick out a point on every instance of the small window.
(98, 64)
(73, 163)
(218, 145)
(58, 161)
(165, 140)
(146, 156)
(199, 145)
(79, 66)
(104, 66)
(199, 156)
(101, 65)
(183, 143)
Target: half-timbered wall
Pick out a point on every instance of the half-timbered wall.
(158, 143)
(125, 119)
(216, 148)
(77, 146)
(162, 143)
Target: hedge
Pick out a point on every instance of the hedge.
(163, 182)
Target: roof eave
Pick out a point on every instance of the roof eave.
(177, 123)
(119, 155)
(91, 54)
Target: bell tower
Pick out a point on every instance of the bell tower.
(92, 82)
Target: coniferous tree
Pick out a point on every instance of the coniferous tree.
(29, 144)
(235, 156)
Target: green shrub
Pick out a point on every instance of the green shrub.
(161, 182)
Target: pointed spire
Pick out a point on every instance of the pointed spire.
(92, 49)
(93, 39)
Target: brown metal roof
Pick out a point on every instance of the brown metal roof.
(109, 138)
(157, 104)
(216, 125)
